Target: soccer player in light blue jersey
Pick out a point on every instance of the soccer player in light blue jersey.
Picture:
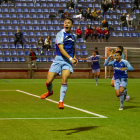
(64, 60)
(120, 75)
(95, 60)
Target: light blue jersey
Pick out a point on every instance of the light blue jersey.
(60, 62)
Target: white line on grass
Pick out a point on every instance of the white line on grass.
(82, 110)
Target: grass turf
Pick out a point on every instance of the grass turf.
(81, 93)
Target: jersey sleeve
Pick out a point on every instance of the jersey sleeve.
(122, 56)
(59, 38)
(107, 63)
(89, 59)
(99, 56)
(129, 67)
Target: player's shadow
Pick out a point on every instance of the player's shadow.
(129, 107)
(78, 129)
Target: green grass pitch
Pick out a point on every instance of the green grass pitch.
(65, 124)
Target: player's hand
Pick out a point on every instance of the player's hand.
(111, 55)
(76, 61)
(123, 69)
(79, 58)
(73, 61)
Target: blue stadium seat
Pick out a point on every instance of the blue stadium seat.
(13, 53)
(113, 17)
(1, 22)
(80, 40)
(34, 22)
(38, 10)
(5, 10)
(22, 28)
(41, 22)
(20, 53)
(112, 34)
(18, 10)
(19, 46)
(20, 16)
(28, 22)
(4, 4)
(43, 28)
(6, 53)
(37, 34)
(30, 4)
(82, 47)
(49, 53)
(49, 22)
(46, 16)
(127, 6)
(83, 28)
(4, 46)
(51, 10)
(84, 53)
(56, 5)
(55, 22)
(57, 28)
(44, 34)
(25, 39)
(37, 59)
(6, 59)
(96, 6)
(27, 52)
(49, 28)
(3, 40)
(49, 59)
(24, 4)
(89, 5)
(123, 11)
(15, 28)
(50, 5)
(33, 16)
(63, 5)
(126, 35)
(136, 11)
(14, 59)
(36, 28)
(20, 21)
(11, 46)
(114, 23)
(133, 35)
(21, 59)
(138, 34)
(53, 40)
(45, 11)
(40, 16)
(61, 22)
(8, 28)
(30, 34)
(25, 10)
(32, 40)
(124, 29)
(18, 4)
(3, 34)
(24, 33)
(43, 5)
(13, 16)
(2, 28)
(87, 23)
(131, 29)
(37, 4)
(1, 16)
(76, 47)
(134, 16)
(36, 52)
(10, 40)
(43, 59)
(5, 16)
(26, 16)
(78, 53)
(82, 23)
(12, 10)
(7, 22)
(1, 59)
(53, 46)
(26, 46)
(32, 10)
(33, 46)
(10, 34)
(54, 53)
(0, 52)
(14, 22)
(117, 29)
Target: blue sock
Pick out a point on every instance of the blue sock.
(121, 98)
(63, 92)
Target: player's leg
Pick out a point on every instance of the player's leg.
(127, 96)
(112, 83)
(95, 76)
(122, 94)
(65, 74)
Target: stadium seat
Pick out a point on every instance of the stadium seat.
(43, 5)
(113, 17)
(96, 6)
(12, 10)
(44, 34)
(28, 22)
(38, 10)
(114, 23)
(5, 10)
(61, 22)
(133, 35)
(7, 22)
(2, 33)
(117, 29)
(84, 53)
(126, 35)
(37, 4)
(6, 59)
(112, 34)
(13, 16)
(13, 53)
(82, 47)
(1, 16)
(37, 34)
(20, 21)
(30, 4)
(124, 29)
(22, 28)
(24, 4)
(20, 16)
(11, 46)
(30, 34)
(10, 34)
(123, 11)
(26, 46)
(27, 52)
(26, 16)
(55, 22)
(41, 22)
(3, 40)
(80, 40)
(36, 28)
(51, 34)
(20, 53)
(76, 47)
(1, 59)
(18, 10)
(34, 22)
(10, 40)
(136, 11)
(0, 52)
(5, 16)
(40, 16)
(50, 5)
(24, 33)
(19, 46)
(33, 16)
(49, 53)
(21, 59)
(43, 28)
(78, 53)
(56, 5)
(49, 59)
(4, 46)
(51, 10)
(4, 4)
(8, 28)
(18, 5)
(1, 22)
(36, 52)
(49, 28)
(32, 10)
(138, 34)
(134, 16)
(14, 59)
(81, 22)
(2, 28)
(57, 28)
(43, 59)
(15, 28)
(14, 22)
(89, 5)
(32, 40)
(25, 10)
(54, 53)
(75, 22)
(53, 46)
(33, 46)
(45, 11)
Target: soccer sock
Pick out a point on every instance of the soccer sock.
(121, 98)
(63, 92)
(49, 87)
(96, 78)
(126, 92)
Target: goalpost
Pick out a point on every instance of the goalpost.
(130, 54)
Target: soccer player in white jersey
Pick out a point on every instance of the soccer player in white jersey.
(64, 60)
(94, 59)
(120, 75)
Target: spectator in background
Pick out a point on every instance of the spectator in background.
(106, 34)
(105, 8)
(123, 19)
(88, 14)
(48, 43)
(40, 45)
(66, 14)
(79, 32)
(94, 33)
(18, 38)
(96, 50)
(88, 32)
(80, 14)
(129, 20)
(115, 4)
(70, 5)
(104, 23)
(94, 14)
(60, 13)
(33, 58)
(100, 34)
(136, 5)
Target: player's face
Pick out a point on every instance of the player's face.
(94, 53)
(118, 56)
(67, 25)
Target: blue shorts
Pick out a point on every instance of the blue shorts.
(122, 82)
(96, 70)
(59, 64)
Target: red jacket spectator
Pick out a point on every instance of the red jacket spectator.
(78, 31)
(99, 31)
(106, 31)
(88, 31)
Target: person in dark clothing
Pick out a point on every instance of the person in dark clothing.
(104, 23)
(88, 14)
(106, 34)
(94, 33)
(70, 5)
(61, 13)
(33, 58)
(96, 50)
(105, 8)
(115, 4)
(136, 5)
(80, 14)
(18, 38)
(40, 45)
(123, 19)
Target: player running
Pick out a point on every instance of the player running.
(95, 59)
(119, 48)
(63, 62)
(120, 74)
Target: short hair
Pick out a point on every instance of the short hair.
(96, 48)
(119, 53)
(95, 52)
(121, 47)
(69, 19)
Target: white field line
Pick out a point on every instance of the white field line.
(48, 118)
